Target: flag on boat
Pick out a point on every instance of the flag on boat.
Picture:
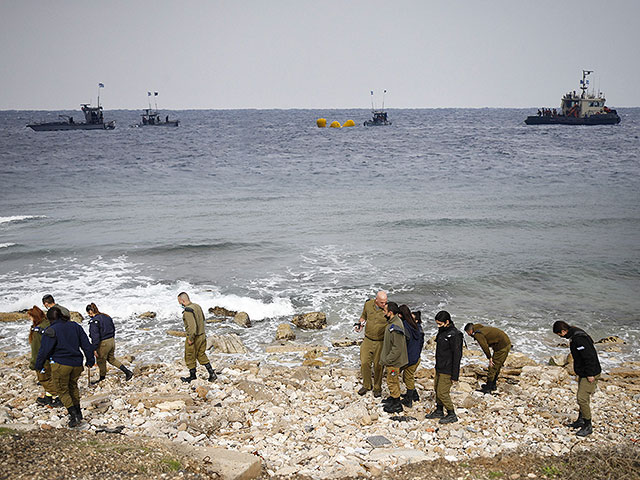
(155, 93)
(101, 85)
(371, 92)
(148, 94)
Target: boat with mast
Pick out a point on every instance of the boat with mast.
(94, 120)
(152, 118)
(578, 109)
(379, 117)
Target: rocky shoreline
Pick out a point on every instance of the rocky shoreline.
(309, 421)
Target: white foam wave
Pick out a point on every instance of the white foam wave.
(6, 245)
(19, 218)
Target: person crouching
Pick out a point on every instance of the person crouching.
(61, 344)
(394, 355)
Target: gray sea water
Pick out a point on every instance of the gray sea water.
(466, 210)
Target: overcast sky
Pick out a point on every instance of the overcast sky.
(303, 54)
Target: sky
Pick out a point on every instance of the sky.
(317, 55)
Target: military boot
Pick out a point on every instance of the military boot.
(437, 413)
(57, 402)
(73, 419)
(387, 400)
(407, 400)
(488, 387)
(192, 376)
(579, 423)
(394, 407)
(586, 429)
(78, 412)
(98, 381)
(45, 401)
(212, 373)
(128, 373)
(451, 417)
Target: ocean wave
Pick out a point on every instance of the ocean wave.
(7, 245)
(20, 218)
(200, 247)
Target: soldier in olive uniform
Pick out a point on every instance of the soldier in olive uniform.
(490, 338)
(394, 355)
(38, 326)
(195, 345)
(49, 302)
(374, 322)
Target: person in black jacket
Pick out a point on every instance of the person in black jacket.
(448, 356)
(587, 368)
(61, 343)
(102, 332)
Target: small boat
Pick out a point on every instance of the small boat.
(379, 117)
(577, 109)
(152, 118)
(94, 120)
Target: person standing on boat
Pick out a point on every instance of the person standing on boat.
(102, 332)
(373, 321)
(195, 344)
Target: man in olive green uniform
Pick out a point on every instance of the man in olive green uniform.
(195, 344)
(490, 338)
(374, 322)
(394, 355)
(49, 302)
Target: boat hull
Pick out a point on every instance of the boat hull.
(371, 123)
(57, 126)
(603, 119)
(170, 123)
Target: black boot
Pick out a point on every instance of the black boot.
(416, 397)
(46, 400)
(579, 423)
(407, 401)
(98, 381)
(587, 429)
(78, 412)
(73, 419)
(212, 373)
(57, 402)
(387, 400)
(437, 413)
(394, 407)
(192, 376)
(128, 373)
(449, 418)
(488, 387)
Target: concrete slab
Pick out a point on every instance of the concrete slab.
(229, 464)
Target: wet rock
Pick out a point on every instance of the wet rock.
(611, 339)
(284, 332)
(346, 342)
(242, 319)
(147, 315)
(76, 317)
(222, 312)
(13, 316)
(293, 347)
(310, 321)
(226, 343)
(177, 333)
(559, 360)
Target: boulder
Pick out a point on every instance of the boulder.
(153, 399)
(559, 360)
(147, 315)
(221, 463)
(310, 321)
(177, 333)
(13, 316)
(611, 339)
(222, 312)
(242, 319)
(293, 347)
(518, 360)
(76, 317)
(226, 343)
(284, 332)
(346, 342)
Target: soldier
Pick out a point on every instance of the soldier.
(496, 339)
(415, 341)
(49, 302)
(587, 367)
(102, 332)
(62, 342)
(448, 356)
(195, 345)
(39, 324)
(374, 322)
(394, 355)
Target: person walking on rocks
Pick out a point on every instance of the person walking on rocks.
(102, 332)
(39, 324)
(62, 342)
(587, 367)
(49, 302)
(373, 321)
(448, 355)
(394, 355)
(195, 344)
(415, 341)
(490, 338)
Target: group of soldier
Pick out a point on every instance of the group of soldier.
(393, 341)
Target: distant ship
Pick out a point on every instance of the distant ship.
(94, 120)
(379, 117)
(577, 109)
(152, 118)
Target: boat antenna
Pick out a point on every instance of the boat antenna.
(584, 83)
(155, 94)
(372, 109)
(383, 92)
(149, 99)
(100, 85)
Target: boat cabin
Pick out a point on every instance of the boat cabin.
(151, 117)
(92, 115)
(584, 104)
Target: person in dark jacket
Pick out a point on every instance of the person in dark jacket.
(490, 338)
(587, 367)
(415, 341)
(61, 344)
(102, 332)
(448, 356)
(39, 324)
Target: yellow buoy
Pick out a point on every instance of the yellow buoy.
(349, 123)
(321, 122)
(335, 124)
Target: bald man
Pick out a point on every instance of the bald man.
(195, 344)
(374, 322)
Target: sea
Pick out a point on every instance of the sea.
(465, 210)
